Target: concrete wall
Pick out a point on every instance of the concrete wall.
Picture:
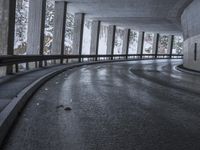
(190, 20)
(189, 53)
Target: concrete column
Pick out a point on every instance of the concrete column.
(170, 44)
(36, 23)
(126, 38)
(78, 34)
(140, 43)
(7, 29)
(95, 38)
(155, 44)
(111, 40)
(59, 28)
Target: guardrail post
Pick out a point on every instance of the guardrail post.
(36, 64)
(59, 28)
(45, 63)
(16, 68)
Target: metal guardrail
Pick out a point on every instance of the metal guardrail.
(43, 60)
(17, 59)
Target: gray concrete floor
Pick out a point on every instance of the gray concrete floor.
(144, 105)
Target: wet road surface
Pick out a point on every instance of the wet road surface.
(144, 105)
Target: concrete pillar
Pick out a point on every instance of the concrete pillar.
(126, 38)
(36, 23)
(170, 44)
(140, 43)
(111, 40)
(78, 34)
(155, 44)
(59, 28)
(7, 29)
(95, 38)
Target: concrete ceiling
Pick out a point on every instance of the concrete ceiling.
(145, 15)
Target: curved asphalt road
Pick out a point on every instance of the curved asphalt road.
(143, 105)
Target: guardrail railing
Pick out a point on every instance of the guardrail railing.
(43, 60)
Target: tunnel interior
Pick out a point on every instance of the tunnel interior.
(99, 74)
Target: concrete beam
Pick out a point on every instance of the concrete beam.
(136, 14)
(36, 23)
(7, 29)
(140, 43)
(111, 39)
(78, 34)
(170, 44)
(59, 28)
(95, 38)
(155, 44)
(126, 38)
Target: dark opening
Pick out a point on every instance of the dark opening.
(195, 52)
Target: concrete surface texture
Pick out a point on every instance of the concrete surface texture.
(140, 43)
(192, 53)
(191, 31)
(190, 20)
(145, 15)
(110, 40)
(7, 26)
(59, 25)
(4, 7)
(94, 43)
(78, 33)
(143, 105)
(126, 39)
(36, 23)
(11, 86)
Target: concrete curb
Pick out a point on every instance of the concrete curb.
(186, 70)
